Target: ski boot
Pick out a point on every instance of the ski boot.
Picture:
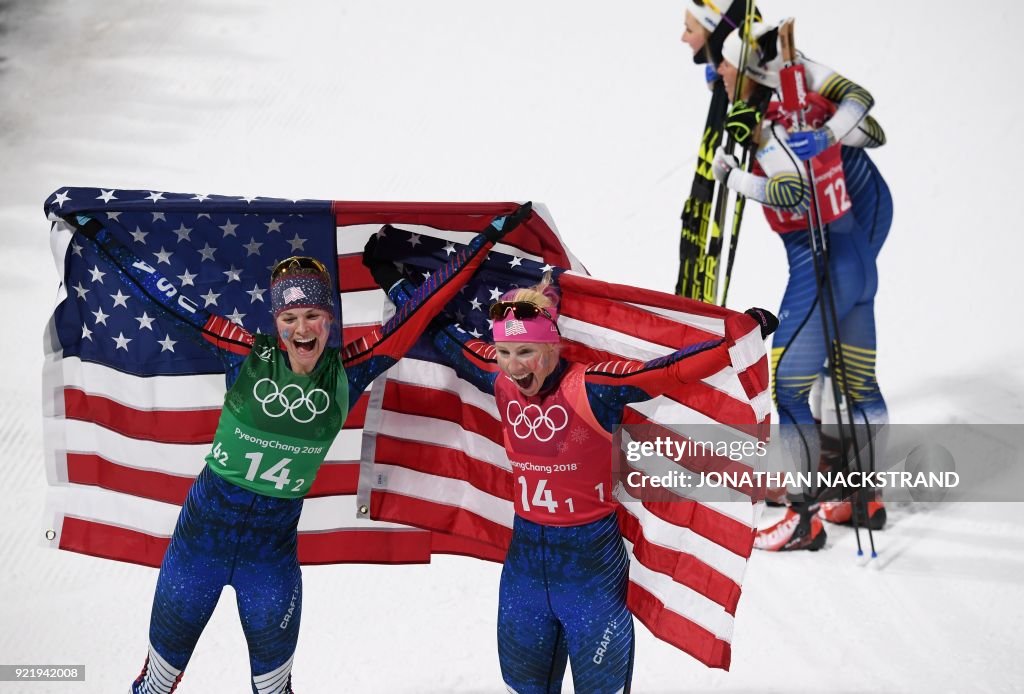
(800, 528)
(870, 514)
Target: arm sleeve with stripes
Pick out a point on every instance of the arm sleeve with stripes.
(853, 100)
(868, 134)
(374, 353)
(614, 384)
(784, 184)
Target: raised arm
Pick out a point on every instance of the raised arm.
(371, 355)
(147, 283)
(614, 384)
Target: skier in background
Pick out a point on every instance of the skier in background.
(855, 204)
(705, 29)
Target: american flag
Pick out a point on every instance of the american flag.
(131, 405)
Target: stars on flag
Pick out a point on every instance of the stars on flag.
(187, 278)
(145, 322)
(210, 298)
(163, 256)
(207, 252)
(253, 247)
(256, 294)
(167, 344)
(120, 299)
(423, 252)
(217, 259)
(182, 232)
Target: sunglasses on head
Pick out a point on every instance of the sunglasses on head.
(523, 310)
(297, 264)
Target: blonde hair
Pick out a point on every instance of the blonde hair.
(541, 295)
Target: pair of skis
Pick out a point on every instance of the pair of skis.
(704, 212)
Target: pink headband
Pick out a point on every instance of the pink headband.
(540, 328)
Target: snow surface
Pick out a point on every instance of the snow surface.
(594, 108)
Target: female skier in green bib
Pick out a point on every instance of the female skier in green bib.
(288, 396)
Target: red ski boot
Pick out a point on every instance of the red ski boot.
(800, 528)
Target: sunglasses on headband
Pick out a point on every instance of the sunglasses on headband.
(523, 310)
(297, 264)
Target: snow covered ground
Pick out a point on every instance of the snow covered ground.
(593, 108)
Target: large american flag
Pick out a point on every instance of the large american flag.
(130, 406)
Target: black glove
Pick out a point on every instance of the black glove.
(500, 226)
(384, 272)
(766, 319)
(741, 122)
(85, 225)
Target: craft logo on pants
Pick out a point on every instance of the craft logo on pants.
(606, 639)
(291, 607)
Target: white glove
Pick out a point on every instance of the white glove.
(723, 165)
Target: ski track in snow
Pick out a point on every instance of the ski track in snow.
(594, 109)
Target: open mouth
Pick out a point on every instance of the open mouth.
(525, 382)
(305, 346)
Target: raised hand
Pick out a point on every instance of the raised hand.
(500, 226)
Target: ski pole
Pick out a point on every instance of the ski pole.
(794, 91)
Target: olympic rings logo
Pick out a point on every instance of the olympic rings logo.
(533, 421)
(291, 400)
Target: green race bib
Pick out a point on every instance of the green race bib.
(276, 426)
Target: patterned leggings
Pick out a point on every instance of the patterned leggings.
(563, 594)
(799, 348)
(227, 535)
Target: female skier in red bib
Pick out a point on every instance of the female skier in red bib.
(563, 586)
